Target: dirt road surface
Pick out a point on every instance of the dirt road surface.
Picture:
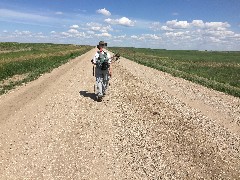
(150, 126)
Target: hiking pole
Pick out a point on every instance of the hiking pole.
(92, 67)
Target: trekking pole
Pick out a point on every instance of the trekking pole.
(92, 67)
(109, 78)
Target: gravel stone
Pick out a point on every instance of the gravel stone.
(150, 125)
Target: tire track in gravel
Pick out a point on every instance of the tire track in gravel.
(140, 131)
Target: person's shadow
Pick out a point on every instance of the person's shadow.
(89, 95)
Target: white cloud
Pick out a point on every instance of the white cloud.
(155, 26)
(74, 26)
(104, 12)
(64, 34)
(104, 35)
(73, 31)
(134, 37)
(81, 34)
(198, 23)
(152, 36)
(166, 28)
(195, 27)
(106, 28)
(121, 37)
(96, 28)
(146, 37)
(93, 24)
(178, 24)
(53, 32)
(26, 32)
(237, 36)
(21, 33)
(110, 21)
(26, 35)
(219, 34)
(217, 25)
(124, 21)
(99, 27)
(175, 34)
(214, 40)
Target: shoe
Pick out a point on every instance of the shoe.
(99, 98)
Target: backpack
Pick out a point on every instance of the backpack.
(102, 61)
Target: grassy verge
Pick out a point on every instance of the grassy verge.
(32, 60)
(216, 70)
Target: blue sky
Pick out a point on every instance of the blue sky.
(164, 24)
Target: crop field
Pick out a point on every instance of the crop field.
(216, 70)
(24, 62)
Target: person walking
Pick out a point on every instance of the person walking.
(102, 62)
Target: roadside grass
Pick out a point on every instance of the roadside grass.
(31, 63)
(216, 70)
(14, 46)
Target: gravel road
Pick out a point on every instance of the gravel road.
(149, 126)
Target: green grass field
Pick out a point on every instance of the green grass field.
(216, 70)
(24, 62)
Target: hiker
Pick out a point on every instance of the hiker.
(102, 60)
